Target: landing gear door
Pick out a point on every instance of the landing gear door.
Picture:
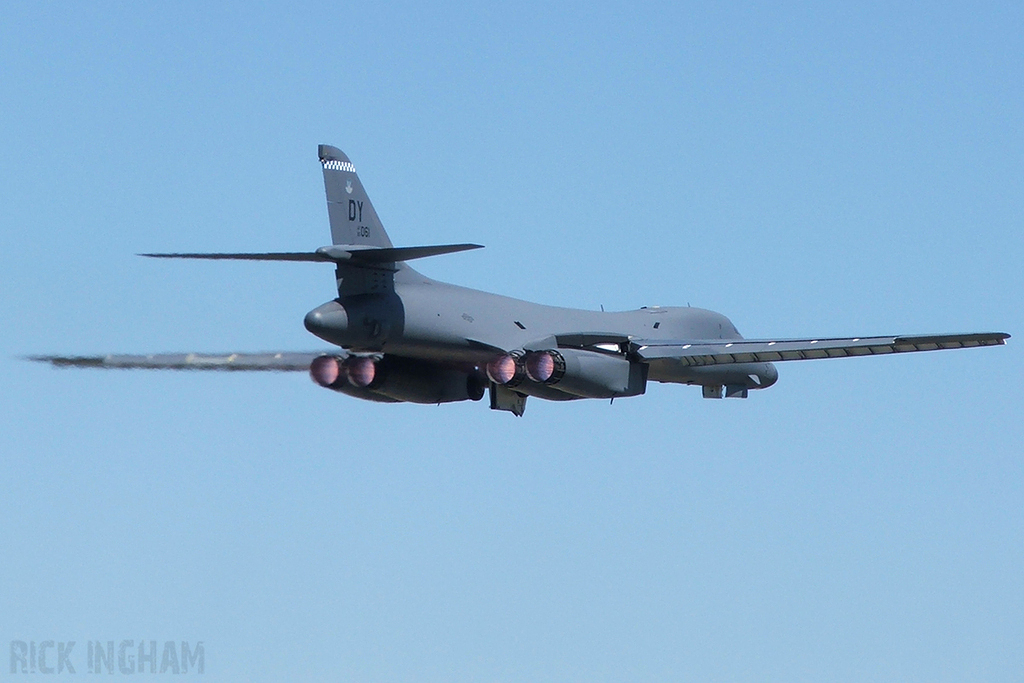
(503, 398)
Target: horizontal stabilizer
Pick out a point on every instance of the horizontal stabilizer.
(231, 362)
(393, 254)
(338, 253)
(719, 351)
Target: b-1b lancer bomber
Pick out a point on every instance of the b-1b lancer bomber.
(400, 336)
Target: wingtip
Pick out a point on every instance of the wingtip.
(67, 361)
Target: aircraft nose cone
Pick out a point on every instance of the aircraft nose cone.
(329, 322)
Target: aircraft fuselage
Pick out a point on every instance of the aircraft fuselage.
(436, 321)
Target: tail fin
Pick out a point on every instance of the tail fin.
(353, 219)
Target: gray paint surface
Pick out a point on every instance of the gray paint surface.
(431, 342)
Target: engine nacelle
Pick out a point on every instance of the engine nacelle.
(417, 381)
(587, 374)
(332, 372)
(392, 379)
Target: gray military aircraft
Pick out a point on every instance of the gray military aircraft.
(400, 336)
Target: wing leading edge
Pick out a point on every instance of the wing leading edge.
(722, 351)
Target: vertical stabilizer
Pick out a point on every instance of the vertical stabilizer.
(353, 219)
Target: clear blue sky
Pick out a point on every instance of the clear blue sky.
(806, 169)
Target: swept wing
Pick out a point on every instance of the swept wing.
(227, 362)
(721, 351)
